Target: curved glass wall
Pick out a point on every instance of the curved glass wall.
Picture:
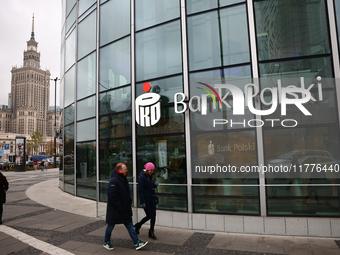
(223, 84)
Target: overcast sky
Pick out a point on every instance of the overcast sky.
(15, 31)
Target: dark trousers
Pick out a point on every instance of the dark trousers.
(150, 211)
(1, 210)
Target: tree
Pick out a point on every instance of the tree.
(36, 140)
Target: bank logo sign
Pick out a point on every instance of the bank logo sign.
(148, 107)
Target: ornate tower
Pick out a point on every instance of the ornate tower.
(30, 92)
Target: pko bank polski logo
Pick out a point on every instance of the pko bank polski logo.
(148, 107)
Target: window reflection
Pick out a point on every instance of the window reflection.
(218, 38)
(167, 88)
(87, 35)
(114, 65)
(168, 155)
(86, 130)
(69, 158)
(170, 122)
(115, 125)
(291, 28)
(194, 6)
(70, 50)
(158, 51)
(114, 20)
(86, 108)
(86, 76)
(301, 149)
(69, 86)
(117, 100)
(111, 153)
(69, 115)
(152, 12)
(86, 170)
(84, 5)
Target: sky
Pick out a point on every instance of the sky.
(15, 31)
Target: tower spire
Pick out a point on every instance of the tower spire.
(32, 34)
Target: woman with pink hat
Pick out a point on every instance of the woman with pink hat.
(147, 197)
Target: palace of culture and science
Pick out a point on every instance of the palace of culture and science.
(28, 102)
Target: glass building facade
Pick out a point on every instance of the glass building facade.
(194, 48)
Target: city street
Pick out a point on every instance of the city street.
(32, 228)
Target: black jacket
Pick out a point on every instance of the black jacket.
(3, 189)
(146, 189)
(119, 200)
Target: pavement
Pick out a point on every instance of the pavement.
(39, 218)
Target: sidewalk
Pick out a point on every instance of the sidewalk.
(41, 219)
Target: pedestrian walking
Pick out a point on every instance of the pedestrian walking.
(35, 164)
(119, 207)
(42, 165)
(46, 165)
(148, 198)
(3, 189)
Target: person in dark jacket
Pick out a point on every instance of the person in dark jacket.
(147, 197)
(3, 189)
(119, 207)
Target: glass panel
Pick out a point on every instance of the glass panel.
(167, 88)
(69, 86)
(86, 108)
(309, 69)
(204, 120)
(337, 13)
(114, 65)
(86, 76)
(226, 200)
(312, 145)
(69, 158)
(168, 155)
(170, 122)
(224, 153)
(317, 109)
(314, 201)
(116, 125)
(87, 35)
(209, 31)
(194, 6)
(69, 115)
(113, 101)
(71, 19)
(111, 153)
(229, 2)
(86, 130)
(62, 61)
(70, 54)
(153, 12)
(172, 197)
(204, 41)
(86, 170)
(291, 28)
(235, 41)
(114, 20)
(69, 5)
(158, 51)
(84, 5)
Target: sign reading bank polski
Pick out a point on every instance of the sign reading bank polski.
(148, 107)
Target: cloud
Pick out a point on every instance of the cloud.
(16, 20)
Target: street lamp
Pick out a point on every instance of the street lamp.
(55, 120)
